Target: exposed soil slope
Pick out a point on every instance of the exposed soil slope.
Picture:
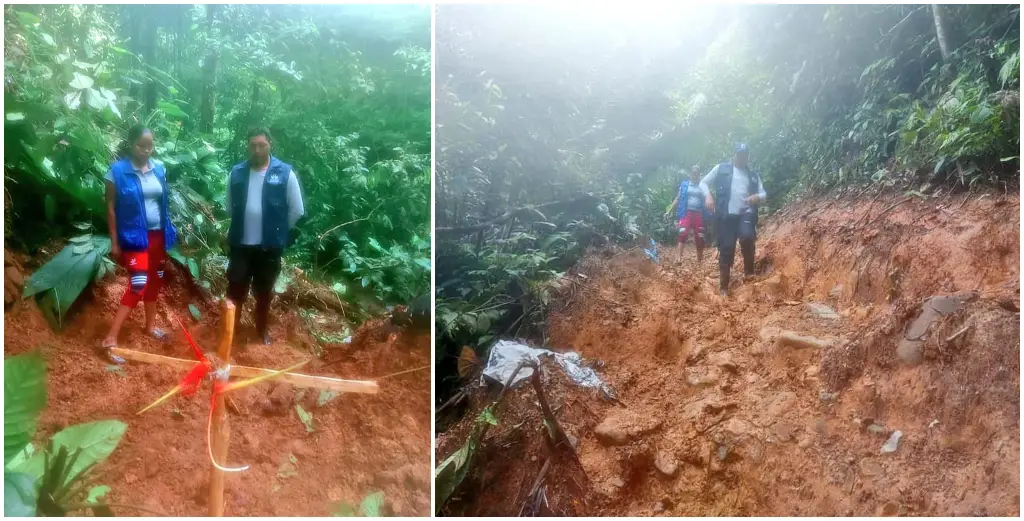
(361, 443)
(718, 416)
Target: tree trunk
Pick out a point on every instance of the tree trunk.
(940, 31)
(207, 107)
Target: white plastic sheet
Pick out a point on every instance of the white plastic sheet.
(505, 357)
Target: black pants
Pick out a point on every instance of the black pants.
(257, 267)
(729, 229)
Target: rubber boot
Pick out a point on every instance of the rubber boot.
(263, 318)
(747, 249)
(723, 278)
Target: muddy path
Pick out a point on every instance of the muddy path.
(721, 414)
(360, 443)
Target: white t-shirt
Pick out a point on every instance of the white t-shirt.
(252, 227)
(152, 192)
(739, 192)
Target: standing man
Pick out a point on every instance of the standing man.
(264, 202)
(689, 206)
(733, 193)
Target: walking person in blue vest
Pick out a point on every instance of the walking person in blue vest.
(689, 206)
(734, 192)
(140, 230)
(265, 203)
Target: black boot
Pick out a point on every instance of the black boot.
(747, 249)
(723, 280)
(263, 318)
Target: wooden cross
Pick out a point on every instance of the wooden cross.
(219, 429)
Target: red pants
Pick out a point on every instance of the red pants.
(145, 271)
(693, 220)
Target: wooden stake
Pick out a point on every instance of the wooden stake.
(241, 371)
(220, 430)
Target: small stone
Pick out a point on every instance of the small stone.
(874, 428)
(826, 396)
(805, 443)
(573, 440)
(666, 465)
(822, 311)
(616, 482)
(717, 328)
(836, 292)
(812, 371)
(910, 352)
(723, 452)
(533, 458)
(611, 432)
(702, 376)
(659, 507)
(893, 443)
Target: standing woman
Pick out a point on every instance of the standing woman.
(140, 230)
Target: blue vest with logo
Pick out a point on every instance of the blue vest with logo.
(275, 203)
(130, 209)
(723, 189)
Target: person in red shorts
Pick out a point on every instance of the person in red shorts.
(689, 203)
(140, 230)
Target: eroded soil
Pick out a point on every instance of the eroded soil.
(361, 443)
(718, 416)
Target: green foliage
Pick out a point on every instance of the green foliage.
(59, 282)
(370, 506)
(20, 495)
(89, 444)
(841, 94)
(306, 418)
(48, 481)
(825, 95)
(24, 399)
(349, 109)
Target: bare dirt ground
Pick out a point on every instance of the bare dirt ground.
(361, 443)
(725, 411)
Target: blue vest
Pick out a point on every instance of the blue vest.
(681, 207)
(275, 203)
(723, 189)
(684, 188)
(130, 209)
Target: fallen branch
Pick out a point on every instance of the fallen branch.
(894, 205)
(536, 483)
(799, 341)
(559, 434)
(461, 395)
(322, 235)
(958, 333)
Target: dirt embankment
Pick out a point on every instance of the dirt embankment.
(779, 400)
(360, 443)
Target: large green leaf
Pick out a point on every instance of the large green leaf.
(97, 440)
(59, 282)
(370, 507)
(24, 399)
(450, 473)
(19, 495)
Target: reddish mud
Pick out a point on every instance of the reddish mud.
(718, 417)
(361, 443)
